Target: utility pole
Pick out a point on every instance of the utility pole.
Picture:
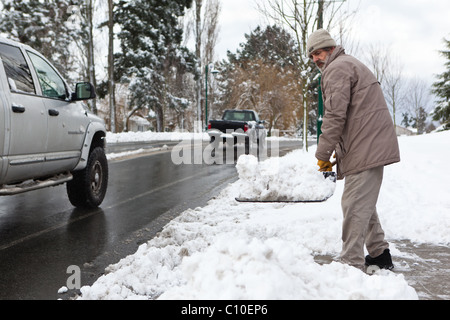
(320, 102)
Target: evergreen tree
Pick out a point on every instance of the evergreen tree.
(441, 89)
(264, 75)
(272, 45)
(44, 26)
(419, 121)
(405, 120)
(152, 54)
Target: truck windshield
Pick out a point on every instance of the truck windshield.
(239, 116)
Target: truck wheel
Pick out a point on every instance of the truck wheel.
(88, 187)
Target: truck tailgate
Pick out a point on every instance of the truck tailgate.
(224, 125)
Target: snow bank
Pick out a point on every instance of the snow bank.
(228, 250)
(153, 136)
(231, 250)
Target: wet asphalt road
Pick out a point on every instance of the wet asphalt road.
(42, 235)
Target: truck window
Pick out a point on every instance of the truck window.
(16, 68)
(239, 116)
(52, 85)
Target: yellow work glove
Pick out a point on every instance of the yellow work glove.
(325, 166)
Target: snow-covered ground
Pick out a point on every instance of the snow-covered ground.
(232, 250)
(153, 136)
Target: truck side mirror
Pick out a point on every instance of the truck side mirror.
(83, 91)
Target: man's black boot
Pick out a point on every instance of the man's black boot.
(383, 261)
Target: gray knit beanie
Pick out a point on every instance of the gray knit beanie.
(318, 40)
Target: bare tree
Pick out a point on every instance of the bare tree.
(90, 49)
(418, 98)
(111, 84)
(301, 17)
(378, 60)
(210, 36)
(203, 22)
(210, 29)
(393, 86)
(198, 48)
(389, 72)
(344, 24)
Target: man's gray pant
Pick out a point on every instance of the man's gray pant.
(361, 224)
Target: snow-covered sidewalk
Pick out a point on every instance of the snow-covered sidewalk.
(231, 250)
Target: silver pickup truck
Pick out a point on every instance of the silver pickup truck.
(49, 137)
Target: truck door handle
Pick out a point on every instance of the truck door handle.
(53, 112)
(18, 108)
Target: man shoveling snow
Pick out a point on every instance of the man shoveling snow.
(358, 128)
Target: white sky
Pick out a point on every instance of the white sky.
(414, 29)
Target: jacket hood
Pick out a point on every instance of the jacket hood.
(336, 53)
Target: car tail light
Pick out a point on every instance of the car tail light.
(245, 127)
(209, 125)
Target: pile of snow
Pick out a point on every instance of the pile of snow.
(113, 156)
(231, 250)
(163, 136)
(293, 177)
(153, 136)
(415, 193)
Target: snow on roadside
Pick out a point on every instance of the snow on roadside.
(113, 156)
(231, 250)
(244, 251)
(153, 136)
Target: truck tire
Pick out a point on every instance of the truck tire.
(88, 187)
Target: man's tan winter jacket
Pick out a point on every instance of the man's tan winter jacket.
(356, 123)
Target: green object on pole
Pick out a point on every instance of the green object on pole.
(319, 111)
(206, 97)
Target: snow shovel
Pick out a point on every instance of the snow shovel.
(327, 175)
